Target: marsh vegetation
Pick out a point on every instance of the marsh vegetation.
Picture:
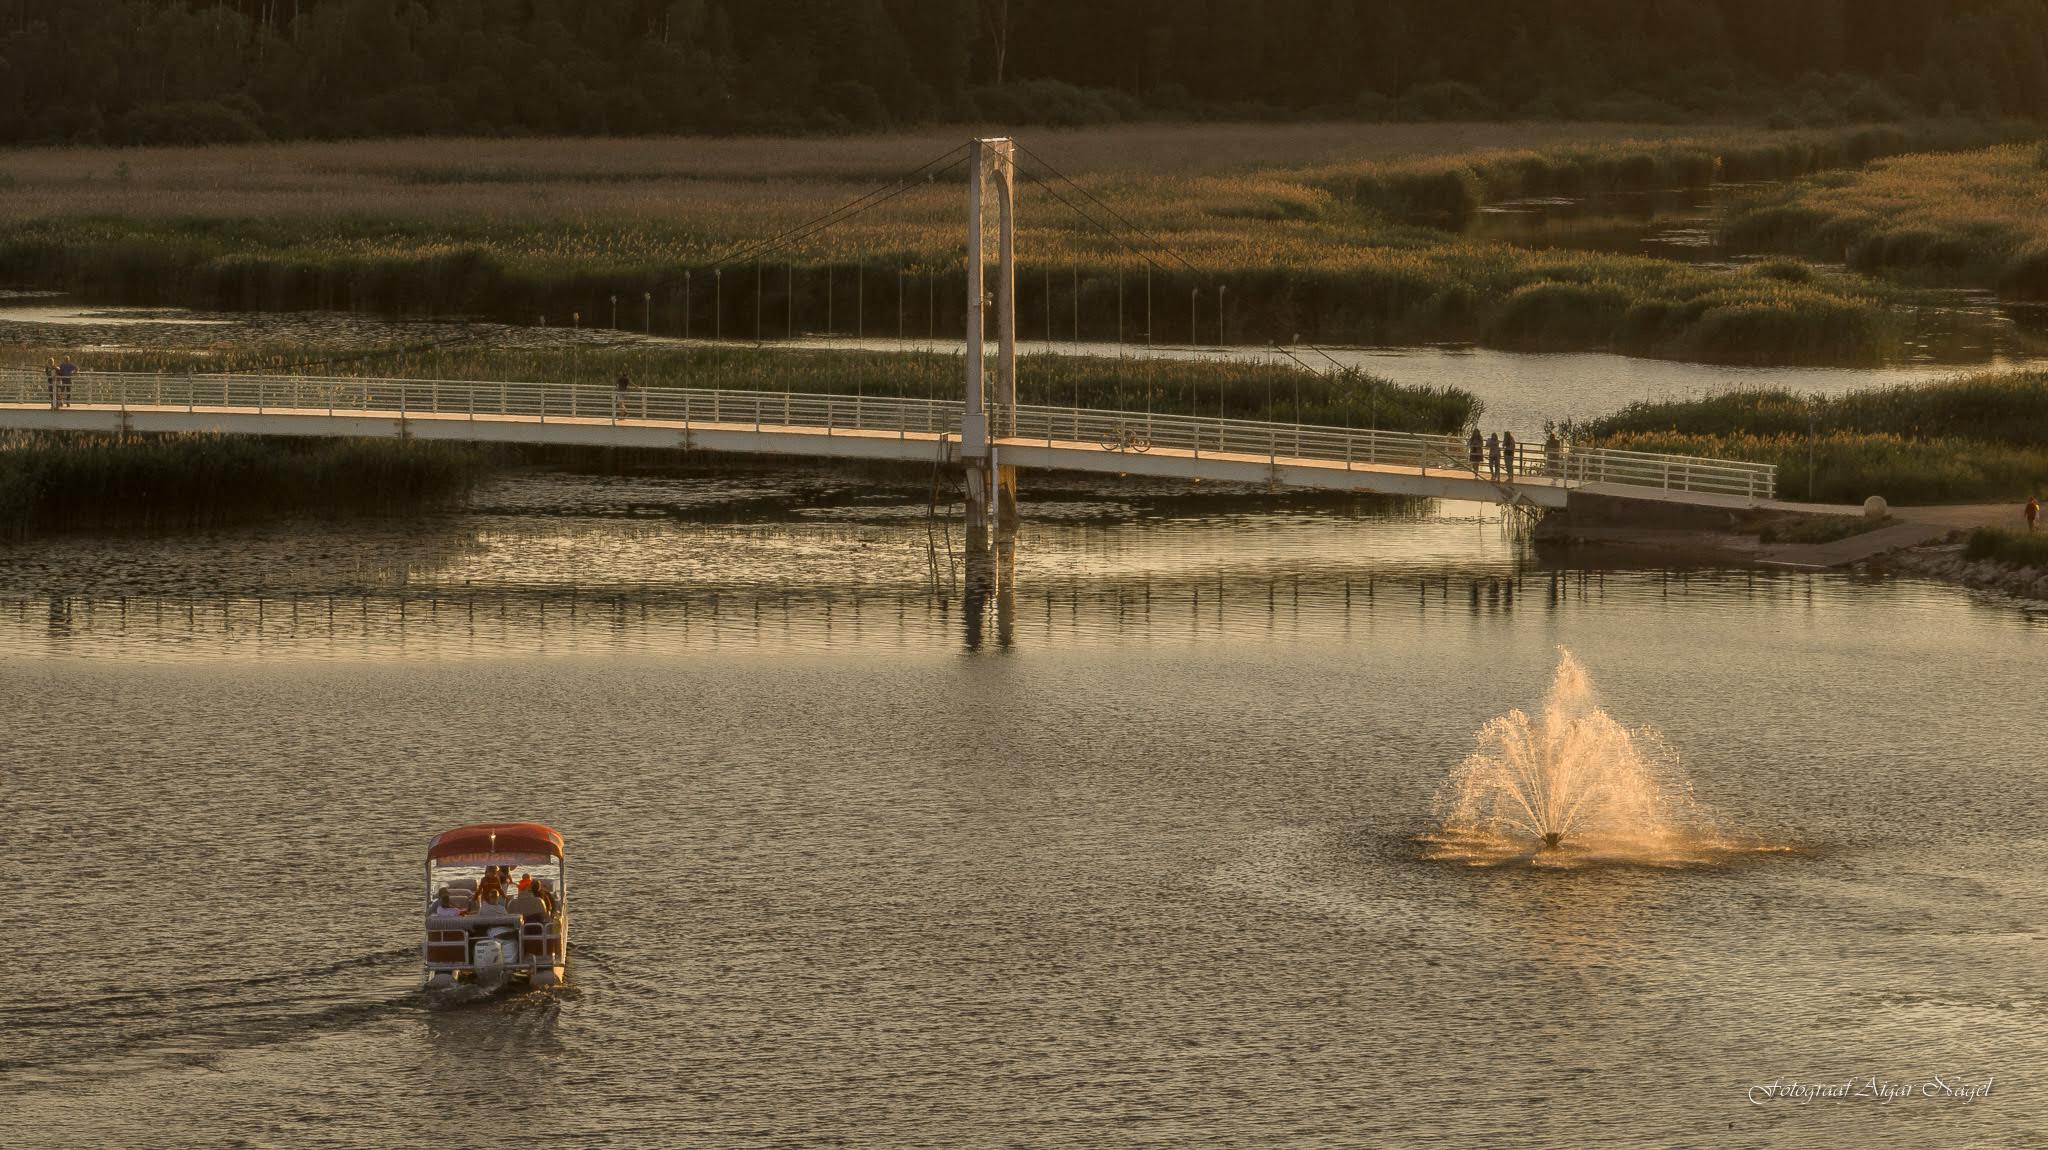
(1974, 438)
(656, 237)
(63, 482)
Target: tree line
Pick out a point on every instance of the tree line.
(185, 71)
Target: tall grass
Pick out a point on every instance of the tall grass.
(1451, 189)
(1994, 407)
(1975, 437)
(1846, 467)
(1979, 218)
(52, 482)
(1308, 249)
(2009, 547)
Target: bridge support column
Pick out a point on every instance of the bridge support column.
(991, 487)
(991, 583)
(1004, 421)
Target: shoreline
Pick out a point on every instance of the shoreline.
(1926, 542)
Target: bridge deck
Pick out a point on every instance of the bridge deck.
(858, 427)
(1270, 468)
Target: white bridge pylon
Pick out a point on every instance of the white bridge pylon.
(991, 485)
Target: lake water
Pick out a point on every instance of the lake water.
(1140, 867)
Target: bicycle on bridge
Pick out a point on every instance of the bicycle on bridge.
(1125, 438)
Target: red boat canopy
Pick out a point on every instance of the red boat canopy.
(515, 844)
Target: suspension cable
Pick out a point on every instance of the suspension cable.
(872, 198)
(1119, 216)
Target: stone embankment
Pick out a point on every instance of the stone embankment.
(1945, 561)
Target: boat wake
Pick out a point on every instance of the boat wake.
(121, 1031)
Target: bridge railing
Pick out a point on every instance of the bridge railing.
(490, 399)
(1136, 432)
(1105, 430)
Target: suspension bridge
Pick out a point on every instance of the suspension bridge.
(852, 427)
(986, 433)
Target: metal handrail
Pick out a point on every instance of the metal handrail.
(891, 415)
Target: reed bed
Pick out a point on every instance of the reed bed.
(1328, 249)
(1452, 189)
(1846, 467)
(1993, 407)
(1974, 437)
(1978, 219)
(53, 482)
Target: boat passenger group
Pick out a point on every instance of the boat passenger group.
(532, 899)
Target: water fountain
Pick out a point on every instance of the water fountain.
(1568, 786)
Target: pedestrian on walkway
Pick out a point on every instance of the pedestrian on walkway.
(1507, 454)
(1477, 447)
(1493, 456)
(50, 382)
(65, 370)
(1553, 453)
(2033, 513)
(622, 386)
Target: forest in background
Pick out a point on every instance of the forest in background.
(203, 71)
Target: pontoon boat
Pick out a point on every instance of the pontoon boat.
(496, 905)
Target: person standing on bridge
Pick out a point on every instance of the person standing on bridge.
(1493, 456)
(50, 382)
(621, 387)
(1507, 453)
(2033, 512)
(65, 370)
(1477, 447)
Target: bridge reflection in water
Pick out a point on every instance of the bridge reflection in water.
(992, 615)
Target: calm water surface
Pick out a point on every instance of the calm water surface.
(1137, 868)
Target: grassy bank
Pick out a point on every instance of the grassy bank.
(1982, 437)
(1300, 241)
(52, 483)
(2013, 548)
(1278, 391)
(1978, 219)
(1846, 467)
(1996, 407)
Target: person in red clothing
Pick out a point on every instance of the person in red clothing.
(2033, 512)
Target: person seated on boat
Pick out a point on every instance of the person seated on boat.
(444, 903)
(526, 882)
(546, 894)
(527, 906)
